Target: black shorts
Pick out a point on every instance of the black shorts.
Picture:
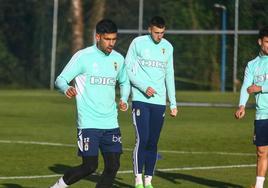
(261, 132)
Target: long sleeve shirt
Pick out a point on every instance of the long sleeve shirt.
(151, 65)
(95, 75)
(256, 73)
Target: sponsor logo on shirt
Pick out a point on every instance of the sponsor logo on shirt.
(261, 78)
(152, 63)
(98, 80)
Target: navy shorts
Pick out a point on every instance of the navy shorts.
(91, 140)
(261, 132)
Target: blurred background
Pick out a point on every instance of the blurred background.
(38, 37)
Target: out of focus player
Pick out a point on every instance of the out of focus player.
(256, 82)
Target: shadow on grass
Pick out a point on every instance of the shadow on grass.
(61, 169)
(11, 185)
(176, 177)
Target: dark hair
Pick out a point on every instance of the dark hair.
(158, 22)
(106, 26)
(263, 32)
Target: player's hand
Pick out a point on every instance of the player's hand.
(240, 112)
(123, 106)
(254, 89)
(71, 91)
(174, 112)
(150, 92)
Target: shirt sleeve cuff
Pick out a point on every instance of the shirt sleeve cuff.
(172, 106)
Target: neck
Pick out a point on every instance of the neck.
(263, 54)
(103, 51)
(154, 40)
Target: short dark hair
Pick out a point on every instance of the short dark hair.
(106, 26)
(158, 22)
(263, 32)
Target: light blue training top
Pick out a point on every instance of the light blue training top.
(256, 73)
(151, 65)
(95, 75)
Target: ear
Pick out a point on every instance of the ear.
(150, 30)
(259, 41)
(97, 37)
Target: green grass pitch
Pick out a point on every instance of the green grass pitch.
(202, 147)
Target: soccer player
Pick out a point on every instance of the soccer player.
(256, 82)
(149, 63)
(95, 71)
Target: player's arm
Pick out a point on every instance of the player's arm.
(71, 70)
(244, 95)
(170, 85)
(132, 68)
(124, 88)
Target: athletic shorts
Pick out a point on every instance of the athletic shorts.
(91, 140)
(260, 132)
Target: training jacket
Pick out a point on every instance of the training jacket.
(95, 75)
(151, 64)
(256, 73)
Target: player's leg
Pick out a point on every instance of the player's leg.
(111, 166)
(157, 115)
(140, 115)
(111, 149)
(261, 142)
(262, 157)
(88, 166)
(89, 156)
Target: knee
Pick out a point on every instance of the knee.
(262, 153)
(113, 168)
(88, 169)
(142, 143)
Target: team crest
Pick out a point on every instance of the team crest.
(163, 50)
(115, 66)
(138, 113)
(86, 144)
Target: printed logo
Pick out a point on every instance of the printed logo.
(152, 63)
(138, 113)
(97, 80)
(116, 138)
(163, 51)
(115, 66)
(261, 78)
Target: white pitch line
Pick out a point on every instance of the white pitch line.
(35, 143)
(130, 171)
(128, 149)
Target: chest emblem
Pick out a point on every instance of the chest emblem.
(163, 51)
(115, 66)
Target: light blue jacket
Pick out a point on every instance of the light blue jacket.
(256, 73)
(151, 65)
(95, 75)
